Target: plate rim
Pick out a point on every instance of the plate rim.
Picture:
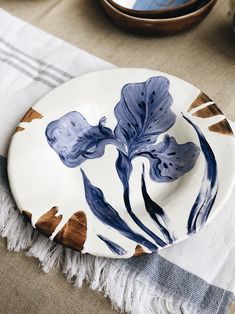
(219, 206)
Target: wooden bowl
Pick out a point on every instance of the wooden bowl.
(166, 12)
(164, 26)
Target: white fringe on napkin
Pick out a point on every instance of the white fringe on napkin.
(121, 285)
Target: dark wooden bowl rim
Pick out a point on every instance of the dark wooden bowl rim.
(152, 12)
(178, 18)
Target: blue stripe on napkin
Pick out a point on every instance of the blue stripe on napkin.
(193, 294)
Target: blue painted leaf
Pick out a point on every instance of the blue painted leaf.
(170, 160)
(109, 216)
(114, 247)
(209, 187)
(75, 140)
(156, 212)
(143, 113)
(124, 169)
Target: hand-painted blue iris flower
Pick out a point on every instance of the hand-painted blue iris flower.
(143, 113)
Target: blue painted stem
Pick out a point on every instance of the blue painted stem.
(126, 197)
(156, 212)
(124, 169)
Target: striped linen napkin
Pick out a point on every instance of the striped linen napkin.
(194, 276)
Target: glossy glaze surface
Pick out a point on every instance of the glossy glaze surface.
(121, 162)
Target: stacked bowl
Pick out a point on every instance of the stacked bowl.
(157, 17)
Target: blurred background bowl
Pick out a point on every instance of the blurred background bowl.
(169, 8)
(158, 26)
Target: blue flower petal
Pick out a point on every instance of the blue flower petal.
(75, 140)
(143, 113)
(170, 160)
(156, 212)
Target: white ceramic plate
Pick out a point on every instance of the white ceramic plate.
(122, 162)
